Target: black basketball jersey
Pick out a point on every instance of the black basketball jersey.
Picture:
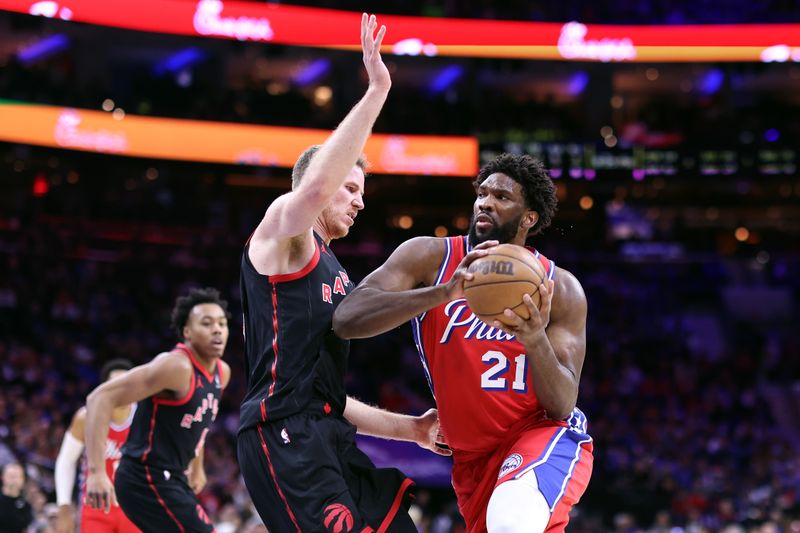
(166, 434)
(292, 354)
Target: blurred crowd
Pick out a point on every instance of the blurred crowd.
(690, 383)
(694, 411)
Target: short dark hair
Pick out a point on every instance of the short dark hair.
(184, 304)
(300, 167)
(531, 174)
(114, 364)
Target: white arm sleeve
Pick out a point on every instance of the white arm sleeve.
(66, 466)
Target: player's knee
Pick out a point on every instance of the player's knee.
(517, 506)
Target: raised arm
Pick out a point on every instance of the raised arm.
(401, 289)
(169, 372)
(294, 213)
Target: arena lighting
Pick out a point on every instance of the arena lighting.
(578, 83)
(50, 9)
(772, 135)
(711, 81)
(284, 24)
(179, 61)
(312, 72)
(40, 185)
(43, 48)
(221, 142)
(446, 78)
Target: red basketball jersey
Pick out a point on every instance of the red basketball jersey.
(117, 435)
(479, 375)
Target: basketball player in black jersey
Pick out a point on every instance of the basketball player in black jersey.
(178, 394)
(296, 442)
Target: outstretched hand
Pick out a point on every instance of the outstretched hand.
(455, 287)
(430, 434)
(371, 45)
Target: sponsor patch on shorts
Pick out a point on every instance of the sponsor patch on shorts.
(511, 463)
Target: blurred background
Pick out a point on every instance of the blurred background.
(679, 212)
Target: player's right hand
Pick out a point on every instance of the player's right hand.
(65, 522)
(430, 433)
(100, 492)
(371, 46)
(455, 287)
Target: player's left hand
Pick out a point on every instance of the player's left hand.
(540, 317)
(100, 491)
(197, 479)
(430, 434)
(377, 71)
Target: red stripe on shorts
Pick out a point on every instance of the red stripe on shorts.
(275, 479)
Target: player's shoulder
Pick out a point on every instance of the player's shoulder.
(423, 242)
(423, 247)
(259, 241)
(421, 254)
(567, 287)
(169, 371)
(225, 372)
(77, 425)
(273, 256)
(173, 360)
(79, 418)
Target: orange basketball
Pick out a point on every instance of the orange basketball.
(501, 278)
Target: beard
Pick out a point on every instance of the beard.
(333, 224)
(503, 234)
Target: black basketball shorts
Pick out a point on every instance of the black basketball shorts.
(158, 501)
(305, 473)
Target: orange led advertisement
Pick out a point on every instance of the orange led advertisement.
(222, 142)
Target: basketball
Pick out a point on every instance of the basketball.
(500, 279)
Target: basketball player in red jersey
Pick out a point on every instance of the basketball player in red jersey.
(506, 394)
(161, 469)
(296, 444)
(71, 450)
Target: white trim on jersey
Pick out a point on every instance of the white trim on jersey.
(445, 262)
(416, 329)
(127, 422)
(551, 274)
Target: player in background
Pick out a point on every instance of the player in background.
(506, 394)
(161, 469)
(93, 520)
